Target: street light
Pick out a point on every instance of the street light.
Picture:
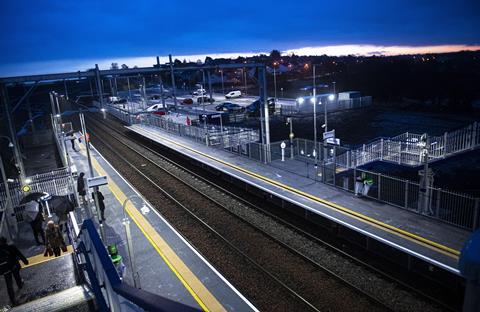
(126, 223)
(275, 80)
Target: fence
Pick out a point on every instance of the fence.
(57, 182)
(455, 208)
(405, 149)
(338, 166)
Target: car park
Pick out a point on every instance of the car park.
(187, 101)
(205, 99)
(233, 94)
(229, 107)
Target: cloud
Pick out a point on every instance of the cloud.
(45, 67)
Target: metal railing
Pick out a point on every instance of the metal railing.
(55, 182)
(456, 208)
(98, 271)
(338, 166)
(405, 149)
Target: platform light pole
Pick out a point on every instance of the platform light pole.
(128, 234)
(314, 101)
(173, 82)
(275, 81)
(223, 85)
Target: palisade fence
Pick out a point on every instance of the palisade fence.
(452, 207)
(56, 182)
(337, 167)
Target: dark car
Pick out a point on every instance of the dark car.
(187, 101)
(205, 99)
(230, 107)
(254, 108)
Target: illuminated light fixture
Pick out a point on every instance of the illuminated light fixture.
(103, 109)
(28, 180)
(331, 97)
(10, 145)
(300, 100)
(312, 100)
(57, 115)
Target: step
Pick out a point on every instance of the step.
(77, 298)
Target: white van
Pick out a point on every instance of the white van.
(233, 94)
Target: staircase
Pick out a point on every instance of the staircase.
(77, 298)
(405, 149)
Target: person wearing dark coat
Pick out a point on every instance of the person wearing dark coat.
(37, 228)
(101, 204)
(81, 186)
(9, 265)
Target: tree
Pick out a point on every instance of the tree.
(208, 60)
(275, 54)
(177, 62)
(124, 66)
(114, 66)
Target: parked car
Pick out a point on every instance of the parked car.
(254, 108)
(199, 92)
(187, 101)
(229, 107)
(233, 94)
(205, 99)
(154, 107)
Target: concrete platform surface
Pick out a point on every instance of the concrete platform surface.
(166, 263)
(420, 236)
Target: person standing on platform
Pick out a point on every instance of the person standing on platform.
(72, 140)
(81, 187)
(101, 204)
(367, 183)
(54, 238)
(37, 228)
(359, 184)
(9, 265)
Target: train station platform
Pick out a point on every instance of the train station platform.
(404, 233)
(166, 264)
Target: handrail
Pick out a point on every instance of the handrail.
(103, 275)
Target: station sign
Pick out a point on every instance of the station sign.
(333, 141)
(97, 181)
(329, 135)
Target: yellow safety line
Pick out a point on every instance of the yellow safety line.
(191, 282)
(378, 224)
(37, 259)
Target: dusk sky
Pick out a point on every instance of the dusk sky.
(62, 35)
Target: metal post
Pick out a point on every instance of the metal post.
(115, 85)
(315, 152)
(266, 114)
(209, 85)
(145, 100)
(275, 82)
(223, 86)
(245, 79)
(99, 86)
(203, 88)
(291, 137)
(161, 83)
(13, 133)
(173, 82)
(126, 223)
(66, 89)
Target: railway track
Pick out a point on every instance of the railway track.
(252, 258)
